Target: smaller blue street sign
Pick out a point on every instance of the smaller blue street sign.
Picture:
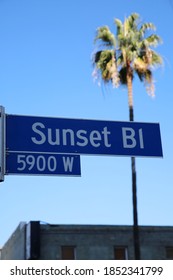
(42, 164)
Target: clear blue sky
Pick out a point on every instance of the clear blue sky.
(45, 70)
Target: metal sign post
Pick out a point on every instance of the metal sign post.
(2, 143)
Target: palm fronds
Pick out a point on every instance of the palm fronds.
(130, 51)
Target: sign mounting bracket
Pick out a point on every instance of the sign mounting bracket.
(2, 143)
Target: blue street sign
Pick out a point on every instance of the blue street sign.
(78, 136)
(42, 164)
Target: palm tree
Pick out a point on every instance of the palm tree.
(118, 58)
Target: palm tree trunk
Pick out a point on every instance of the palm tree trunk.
(134, 177)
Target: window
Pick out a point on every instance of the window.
(68, 252)
(120, 253)
(169, 253)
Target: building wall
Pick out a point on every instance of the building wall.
(14, 248)
(90, 241)
(98, 242)
(155, 241)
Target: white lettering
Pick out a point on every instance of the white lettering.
(57, 137)
(105, 133)
(95, 136)
(68, 163)
(128, 139)
(40, 133)
(141, 141)
(82, 137)
(65, 133)
(69, 137)
(41, 163)
(51, 163)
